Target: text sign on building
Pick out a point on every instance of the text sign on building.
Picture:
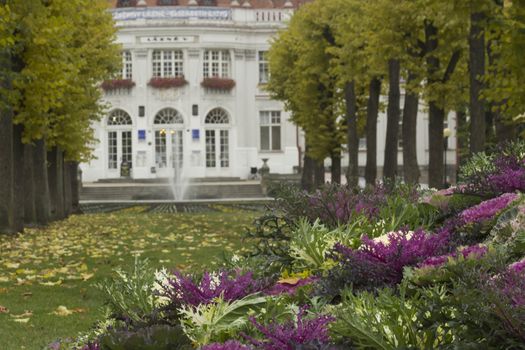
(167, 39)
(172, 13)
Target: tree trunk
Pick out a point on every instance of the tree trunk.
(6, 171)
(504, 131)
(56, 183)
(40, 169)
(18, 178)
(335, 169)
(319, 174)
(352, 175)
(461, 141)
(371, 131)
(75, 188)
(29, 186)
(392, 126)
(68, 199)
(410, 110)
(307, 177)
(476, 72)
(435, 140)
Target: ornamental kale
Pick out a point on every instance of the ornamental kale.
(289, 335)
(475, 251)
(182, 290)
(487, 210)
(500, 172)
(377, 263)
(511, 284)
(229, 345)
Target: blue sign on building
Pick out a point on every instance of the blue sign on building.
(195, 134)
(142, 134)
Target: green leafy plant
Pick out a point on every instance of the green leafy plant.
(386, 321)
(218, 321)
(129, 295)
(311, 242)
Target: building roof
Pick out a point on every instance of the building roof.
(255, 4)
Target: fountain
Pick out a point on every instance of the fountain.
(178, 181)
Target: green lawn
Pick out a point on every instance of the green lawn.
(57, 266)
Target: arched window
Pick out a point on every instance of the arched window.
(119, 117)
(217, 116)
(168, 116)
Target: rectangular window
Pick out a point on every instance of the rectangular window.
(210, 149)
(264, 70)
(160, 148)
(270, 124)
(168, 63)
(225, 149)
(216, 64)
(127, 154)
(127, 65)
(112, 150)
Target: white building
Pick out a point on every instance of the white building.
(214, 119)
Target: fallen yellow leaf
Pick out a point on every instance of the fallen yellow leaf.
(57, 283)
(62, 311)
(21, 320)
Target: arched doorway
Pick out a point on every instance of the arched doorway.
(169, 142)
(119, 142)
(217, 137)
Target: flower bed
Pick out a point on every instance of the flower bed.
(167, 83)
(218, 83)
(116, 84)
(343, 269)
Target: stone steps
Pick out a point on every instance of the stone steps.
(163, 192)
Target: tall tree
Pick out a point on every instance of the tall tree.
(476, 74)
(393, 115)
(372, 112)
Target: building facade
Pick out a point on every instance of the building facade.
(191, 93)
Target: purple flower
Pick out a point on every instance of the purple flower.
(486, 210)
(183, 290)
(289, 335)
(229, 345)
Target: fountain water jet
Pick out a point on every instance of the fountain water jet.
(179, 180)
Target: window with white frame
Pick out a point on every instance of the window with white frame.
(264, 69)
(168, 63)
(217, 64)
(270, 130)
(127, 65)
